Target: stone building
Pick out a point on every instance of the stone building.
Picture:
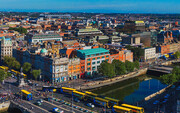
(6, 47)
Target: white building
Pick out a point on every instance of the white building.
(149, 53)
(34, 38)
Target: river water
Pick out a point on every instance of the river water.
(132, 90)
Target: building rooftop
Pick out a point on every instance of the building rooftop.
(93, 51)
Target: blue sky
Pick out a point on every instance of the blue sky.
(104, 6)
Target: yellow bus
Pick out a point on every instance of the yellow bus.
(67, 90)
(120, 109)
(135, 109)
(26, 95)
(79, 95)
(113, 101)
(102, 102)
(4, 68)
(90, 96)
(17, 72)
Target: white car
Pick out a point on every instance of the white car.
(56, 110)
(41, 100)
(90, 105)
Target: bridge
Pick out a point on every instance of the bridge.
(160, 70)
(22, 106)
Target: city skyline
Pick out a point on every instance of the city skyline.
(100, 6)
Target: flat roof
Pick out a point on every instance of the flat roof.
(93, 51)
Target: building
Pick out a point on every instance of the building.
(163, 49)
(92, 59)
(88, 31)
(61, 16)
(53, 68)
(39, 38)
(6, 47)
(148, 38)
(149, 53)
(134, 26)
(121, 55)
(74, 68)
(131, 40)
(174, 47)
(164, 37)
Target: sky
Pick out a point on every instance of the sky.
(92, 6)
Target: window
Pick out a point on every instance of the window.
(98, 57)
(98, 62)
(88, 59)
(88, 55)
(93, 62)
(93, 68)
(88, 69)
(107, 56)
(88, 64)
(102, 56)
(93, 59)
(82, 67)
(107, 60)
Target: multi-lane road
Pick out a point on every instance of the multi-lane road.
(47, 106)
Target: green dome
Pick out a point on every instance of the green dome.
(3, 38)
(43, 50)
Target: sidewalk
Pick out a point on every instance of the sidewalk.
(95, 84)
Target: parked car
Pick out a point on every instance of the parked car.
(41, 100)
(36, 84)
(38, 103)
(90, 105)
(76, 100)
(56, 110)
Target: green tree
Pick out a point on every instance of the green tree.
(106, 69)
(129, 66)
(119, 67)
(17, 65)
(137, 52)
(36, 73)
(2, 75)
(9, 61)
(136, 64)
(19, 29)
(26, 67)
(177, 55)
(168, 78)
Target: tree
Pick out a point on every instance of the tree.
(136, 64)
(177, 55)
(129, 66)
(119, 67)
(10, 61)
(36, 73)
(137, 52)
(106, 69)
(19, 29)
(2, 75)
(26, 67)
(168, 78)
(17, 65)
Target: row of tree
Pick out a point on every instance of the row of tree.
(172, 77)
(19, 29)
(117, 68)
(11, 62)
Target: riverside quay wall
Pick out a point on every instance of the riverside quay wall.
(100, 83)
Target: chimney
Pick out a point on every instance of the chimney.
(171, 35)
(167, 34)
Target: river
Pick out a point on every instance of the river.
(132, 90)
